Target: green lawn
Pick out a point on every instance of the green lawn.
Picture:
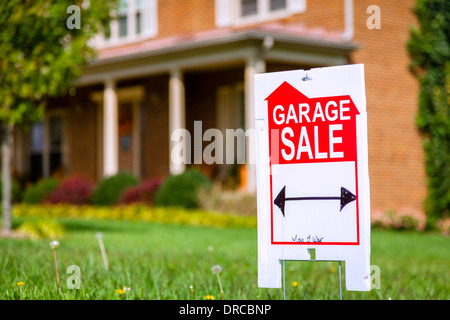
(160, 261)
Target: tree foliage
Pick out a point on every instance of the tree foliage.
(40, 57)
(429, 48)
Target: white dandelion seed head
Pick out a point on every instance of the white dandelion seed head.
(54, 244)
(98, 235)
(216, 269)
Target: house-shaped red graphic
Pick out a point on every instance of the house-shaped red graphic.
(305, 130)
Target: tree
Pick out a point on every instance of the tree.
(44, 45)
(429, 48)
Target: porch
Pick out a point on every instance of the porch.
(129, 102)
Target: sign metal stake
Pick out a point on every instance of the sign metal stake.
(340, 282)
(284, 280)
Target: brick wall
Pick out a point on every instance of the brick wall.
(81, 119)
(185, 16)
(396, 159)
(321, 14)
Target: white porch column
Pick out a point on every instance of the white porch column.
(110, 129)
(177, 117)
(254, 64)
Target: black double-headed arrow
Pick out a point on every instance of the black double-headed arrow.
(345, 198)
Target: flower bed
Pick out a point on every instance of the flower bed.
(170, 215)
(405, 219)
(402, 220)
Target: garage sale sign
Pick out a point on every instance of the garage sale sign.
(312, 171)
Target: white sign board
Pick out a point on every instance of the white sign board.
(312, 171)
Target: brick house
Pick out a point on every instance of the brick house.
(164, 64)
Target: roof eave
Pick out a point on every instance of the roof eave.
(324, 45)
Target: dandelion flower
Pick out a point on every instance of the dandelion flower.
(98, 235)
(119, 291)
(20, 283)
(209, 297)
(126, 289)
(191, 287)
(332, 269)
(54, 244)
(294, 284)
(216, 269)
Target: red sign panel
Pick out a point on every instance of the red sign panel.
(305, 130)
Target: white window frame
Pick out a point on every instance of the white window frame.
(228, 12)
(149, 24)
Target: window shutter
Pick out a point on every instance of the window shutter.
(223, 13)
(297, 6)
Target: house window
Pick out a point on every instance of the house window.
(249, 7)
(236, 12)
(277, 5)
(37, 137)
(123, 18)
(263, 9)
(36, 150)
(46, 149)
(135, 20)
(138, 14)
(55, 144)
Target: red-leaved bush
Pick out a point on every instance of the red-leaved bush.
(72, 190)
(142, 193)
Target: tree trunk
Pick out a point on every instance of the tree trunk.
(6, 178)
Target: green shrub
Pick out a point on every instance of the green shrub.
(429, 49)
(36, 193)
(182, 190)
(225, 201)
(110, 189)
